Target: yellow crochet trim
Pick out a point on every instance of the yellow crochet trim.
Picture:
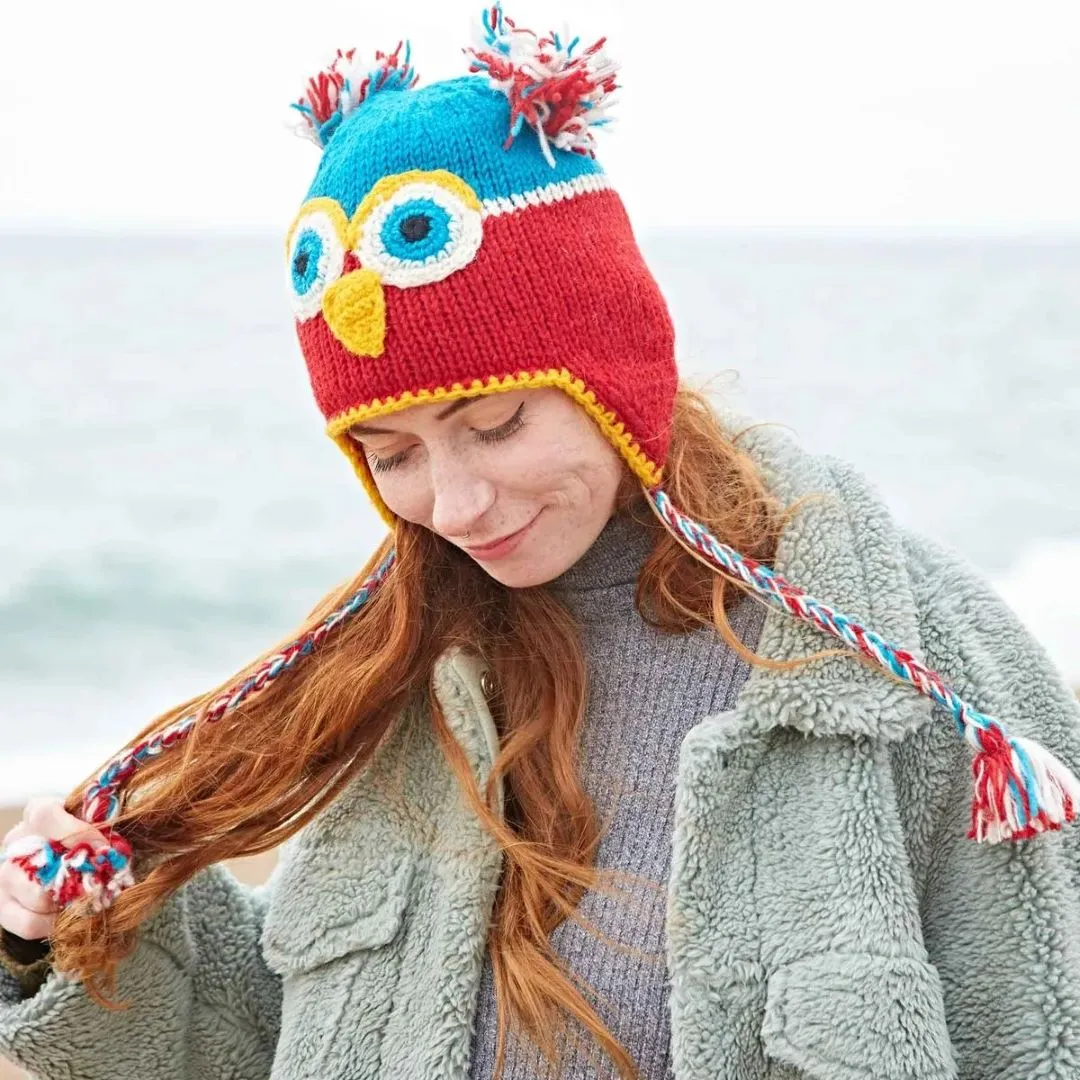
(614, 430)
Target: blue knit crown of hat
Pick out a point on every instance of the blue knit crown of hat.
(458, 124)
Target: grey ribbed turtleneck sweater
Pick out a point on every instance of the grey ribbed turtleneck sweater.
(645, 691)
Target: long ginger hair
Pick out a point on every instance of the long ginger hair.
(249, 781)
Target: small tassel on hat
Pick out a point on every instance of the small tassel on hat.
(562, 96)
(344, 84)
(68, 874)
(1021, 789)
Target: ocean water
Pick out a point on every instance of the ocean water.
(169, 505)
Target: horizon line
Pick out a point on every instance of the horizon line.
(1069, 233)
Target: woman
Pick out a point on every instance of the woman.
(568, 779)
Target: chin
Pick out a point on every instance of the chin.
(543, 557)
(536, 563)
(523, 573)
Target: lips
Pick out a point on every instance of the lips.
(500, 545)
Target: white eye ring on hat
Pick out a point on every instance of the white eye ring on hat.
(417, 228)
(316, 247)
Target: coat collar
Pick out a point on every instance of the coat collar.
(843, 548)
(459, 681)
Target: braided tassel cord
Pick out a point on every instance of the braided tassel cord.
(69, 874)
(1021, 789)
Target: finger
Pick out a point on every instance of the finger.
(18, 885)
(48, 818)
(36, 804)
(14, 833)
(25, 924)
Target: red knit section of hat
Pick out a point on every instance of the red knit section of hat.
(557, 285)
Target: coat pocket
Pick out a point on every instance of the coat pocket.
(337, 941)
(315, 916)
(858, 1016)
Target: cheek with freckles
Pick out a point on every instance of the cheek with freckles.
(560, 464)
(573, 479)
(408, 495)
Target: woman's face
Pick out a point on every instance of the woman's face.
(526, 473)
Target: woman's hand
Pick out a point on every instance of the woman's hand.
(26, 909)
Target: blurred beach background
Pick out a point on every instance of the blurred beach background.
(172, 507)
(867, 224)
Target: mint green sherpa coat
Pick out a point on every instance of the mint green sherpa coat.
(827, 916)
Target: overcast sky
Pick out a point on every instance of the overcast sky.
(926, 114)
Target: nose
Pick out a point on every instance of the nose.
(354, 307)
(460, 496)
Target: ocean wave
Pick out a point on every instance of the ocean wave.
(97, 615)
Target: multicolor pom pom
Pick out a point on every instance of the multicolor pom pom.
(563, 96)
(69, 874)
(338, 89)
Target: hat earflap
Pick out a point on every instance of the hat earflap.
(344, 84)
(562, 96)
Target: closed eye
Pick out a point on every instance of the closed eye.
(379, 464)
(503, 431)
(485, 435)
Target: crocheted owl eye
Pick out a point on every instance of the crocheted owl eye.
(316, 246)
(417, 227)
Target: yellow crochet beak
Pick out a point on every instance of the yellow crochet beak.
(354, 307)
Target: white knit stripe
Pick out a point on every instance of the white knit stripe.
(551, 193)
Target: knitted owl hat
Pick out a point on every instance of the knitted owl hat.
(461, 240)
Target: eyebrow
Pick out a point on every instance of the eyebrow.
(367, 429)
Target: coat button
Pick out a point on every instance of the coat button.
(487, 684)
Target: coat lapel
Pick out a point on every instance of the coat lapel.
(793, 928)
(843, 548)
(452, 905)
(380, 911)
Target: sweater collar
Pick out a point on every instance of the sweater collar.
(605, 577)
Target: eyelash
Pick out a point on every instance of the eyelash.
(503, 431)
